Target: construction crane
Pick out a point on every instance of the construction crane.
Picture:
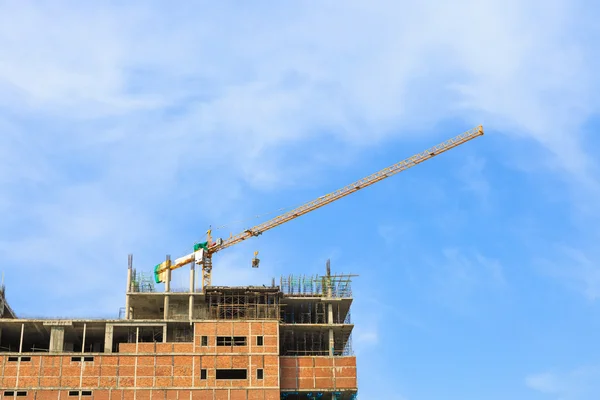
(203, 252)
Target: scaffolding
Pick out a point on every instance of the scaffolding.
(243, 303)
(337, 286)
(141, 282)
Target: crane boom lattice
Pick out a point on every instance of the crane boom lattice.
(203, 252)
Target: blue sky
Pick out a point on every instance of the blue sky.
(131, 129)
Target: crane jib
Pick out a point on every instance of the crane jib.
(344, 191)
(353, 187)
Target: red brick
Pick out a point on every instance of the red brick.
(109, 361)
(224, 329)
(69, 381)
(288, 383)
(50, 381)
(271, 394)
(144, 381)
(288, 372)
(183, 347)
(127, 360)
(255, 394)
(241, 329)
(27, 381)
(126, 381)
(237, 395)
(126, 347)
(271, 380)
(345, 362)
(140, 395)
(128, 395)
(101, 395)
(345, 372)
(323, 362)
(71, 370)
(108, 381)
(306, 372)
(47, 395)
(182, 360)
(126, 370)
(163, 381)
(145, 371)
(158, 395)
(164, 360)
(9, 381)
(306, 383)
(324, 372)
(202, 394)
(345, 383)
(108, 370)
(89, 381)
(171, 394)
(146, 347)
(305, 361)
(270, 328)
(182, 381)
(164, 347)
(221, 395)
(145, 360)
(324, 383)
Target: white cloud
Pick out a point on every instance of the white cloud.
(579, 384)
(458, 275)
(575, 268)
(115, 120)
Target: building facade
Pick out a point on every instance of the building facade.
(290, 341)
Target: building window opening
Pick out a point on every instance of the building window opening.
(231, 341)
(259, 373)
(202, 374)
(232, 374)
(259, 340)
(204, 341)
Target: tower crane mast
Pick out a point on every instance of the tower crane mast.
(202, 254)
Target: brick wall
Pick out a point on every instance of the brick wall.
(166, 371)
(322, 373)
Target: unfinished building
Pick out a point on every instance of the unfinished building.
(287, 341)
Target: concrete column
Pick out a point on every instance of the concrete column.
(192, 289)
(57, 339)
(330, 308)
(108, 338)
(129, 276)
(21, 341)
(83, 340)
(330, 322)
(167, 289)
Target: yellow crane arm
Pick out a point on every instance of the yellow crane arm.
(351, 188)
(210, 247)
